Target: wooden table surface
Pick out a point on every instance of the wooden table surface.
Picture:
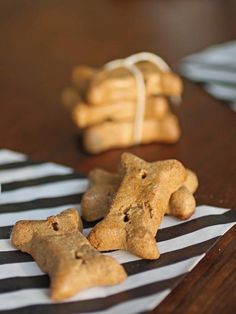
(40, 43)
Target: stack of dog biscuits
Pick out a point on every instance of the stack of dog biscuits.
(125, 103)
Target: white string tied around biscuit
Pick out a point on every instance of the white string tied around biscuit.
(130, 64)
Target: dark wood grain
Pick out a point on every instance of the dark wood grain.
(41, 42)
(201, 291)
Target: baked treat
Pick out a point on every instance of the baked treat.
(182, 203)
(138, 207)
(103, 186)
(61, 250)
(97, 199)
(110, 134)
(107, 86)
(84, 115)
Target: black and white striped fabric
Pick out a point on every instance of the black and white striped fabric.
(216, 68)
(36, 190)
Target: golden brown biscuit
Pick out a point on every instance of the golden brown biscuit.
(137, 210)
(182, 203)
(97, 199)
(85, 115)
(110, 134)
(60, 249)
(107, 86)
(191, 182)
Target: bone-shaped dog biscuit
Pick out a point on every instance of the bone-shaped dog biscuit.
(97, 199)
(137, 210)
(112, 134)
(60, 249)
(85, 115)
(103, 186)
(107, 86)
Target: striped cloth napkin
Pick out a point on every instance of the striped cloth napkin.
(216, 68)
(32, 190)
